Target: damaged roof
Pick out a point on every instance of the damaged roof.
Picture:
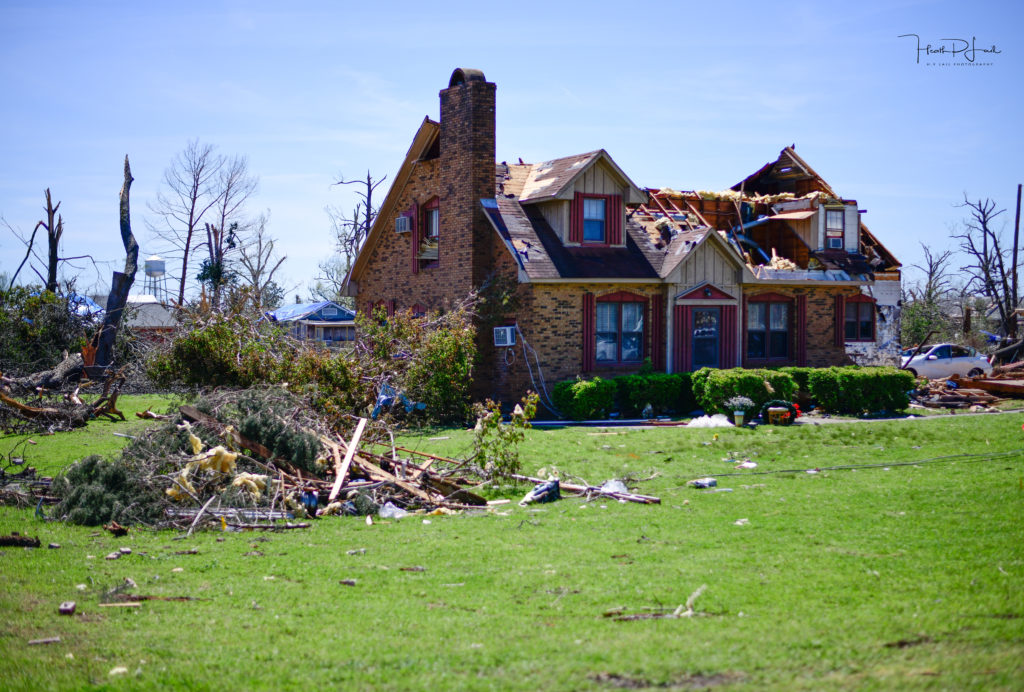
(542, 256)
(553, 179)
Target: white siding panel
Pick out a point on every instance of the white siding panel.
(851, 228)
(557, 215)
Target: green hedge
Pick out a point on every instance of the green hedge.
(711, 388)
(665, 392)
(581, 399)
(850, 390)
(629, 395)
(856, 390)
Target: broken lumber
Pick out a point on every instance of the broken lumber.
(47, 640)
(342, 469)
(377, 473)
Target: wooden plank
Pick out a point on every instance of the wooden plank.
(380, 474)
(130, 604)
(341, 470)
(47, 640)
(1010, 388)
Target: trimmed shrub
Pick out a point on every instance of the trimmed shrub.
(854, 390)
(581, 399)
(760, 386)
(665, 392)
(801, 376)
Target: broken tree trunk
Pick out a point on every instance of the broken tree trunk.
(121, 283)
(68, 370)
(75, 416)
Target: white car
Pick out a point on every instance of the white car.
(945, 360)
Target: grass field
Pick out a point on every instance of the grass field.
(905, 572)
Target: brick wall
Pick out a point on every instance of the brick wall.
(551, 319)
(819, 332)
(462, 175)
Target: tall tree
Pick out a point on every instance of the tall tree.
(189, 193)
(229, 230)
(258, 264)
(989, 270)
(926, 301)
(350, 232)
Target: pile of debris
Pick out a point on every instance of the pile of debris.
(245, 459)
(973, 393)
(954, 393)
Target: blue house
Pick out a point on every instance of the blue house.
(325, 321)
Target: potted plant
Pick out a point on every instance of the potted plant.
(739, 405)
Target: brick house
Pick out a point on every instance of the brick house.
(779, 270)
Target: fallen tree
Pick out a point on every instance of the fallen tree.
(69, 412)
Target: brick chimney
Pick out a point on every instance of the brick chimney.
(467, 175)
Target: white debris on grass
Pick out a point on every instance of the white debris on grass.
(716, 421)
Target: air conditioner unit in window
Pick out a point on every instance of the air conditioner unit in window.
(403, 224)
(505, 336)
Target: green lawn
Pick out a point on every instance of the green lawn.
(904, 573)
(49, 454)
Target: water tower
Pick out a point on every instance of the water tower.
(156, 279)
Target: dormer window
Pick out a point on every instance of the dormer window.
(594, 220)
(834, 229)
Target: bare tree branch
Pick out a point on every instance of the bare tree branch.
(350, 232)
(988, 271)
(257, 259)
(187, 197)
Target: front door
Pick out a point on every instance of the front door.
(706, 323)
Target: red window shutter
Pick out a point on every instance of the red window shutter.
(687, 340)
(589, 333)
(613, 208)
(840, 332)
(391, 308)
(576, 219)
(414, 239)
(678, 364)
(801, 330)
(727, 337)
(658, 332)
(743, 333)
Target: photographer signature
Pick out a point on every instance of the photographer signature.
(954, 47)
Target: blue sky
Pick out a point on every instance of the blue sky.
(684, 95)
